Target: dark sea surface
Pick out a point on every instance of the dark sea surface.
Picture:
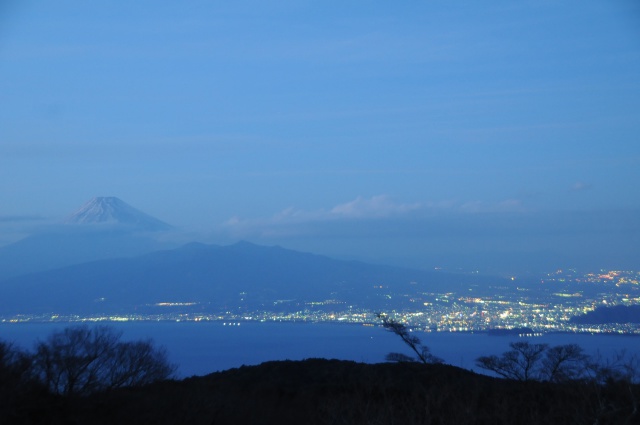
(199, 348)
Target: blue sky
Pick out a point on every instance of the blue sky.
(350, 128)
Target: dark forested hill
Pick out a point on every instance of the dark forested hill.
(319, 391)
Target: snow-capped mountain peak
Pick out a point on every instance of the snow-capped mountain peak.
(112, 210)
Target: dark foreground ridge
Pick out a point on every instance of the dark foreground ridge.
(319, 391)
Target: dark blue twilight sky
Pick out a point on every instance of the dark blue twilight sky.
(465, 134)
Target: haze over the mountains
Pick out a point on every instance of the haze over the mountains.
(105, 258)
(107, 227)
(239, 277)
(498, 136)
(108, 257)
(103, 227)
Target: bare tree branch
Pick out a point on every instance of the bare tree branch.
(81, 360)
(422, 352)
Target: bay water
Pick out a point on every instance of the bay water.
(199, 348)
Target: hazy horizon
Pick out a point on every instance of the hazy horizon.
(498, 136)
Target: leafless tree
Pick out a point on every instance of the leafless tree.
(619, 367)
(138, 363)
(15, 367)
(522, 362)
(614, 385)
(526, 361)
(564, 362)
(422, 352)
(81, 360)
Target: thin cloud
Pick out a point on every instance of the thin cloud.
(285, 221)
(374, 207)
(380, 208)
(580, 186)
(19, 218)
(508, 205)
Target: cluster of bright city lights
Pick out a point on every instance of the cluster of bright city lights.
(549, 307)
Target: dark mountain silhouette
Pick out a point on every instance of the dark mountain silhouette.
(615, 314)
(102, 228)
(236, 277)
(320, 392)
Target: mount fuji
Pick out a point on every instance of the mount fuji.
(112, 210)
(102, 228)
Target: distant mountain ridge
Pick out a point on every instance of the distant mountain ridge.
(239, 277)
(615, 314)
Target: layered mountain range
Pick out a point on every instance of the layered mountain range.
(103, 227)
(105, 258)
